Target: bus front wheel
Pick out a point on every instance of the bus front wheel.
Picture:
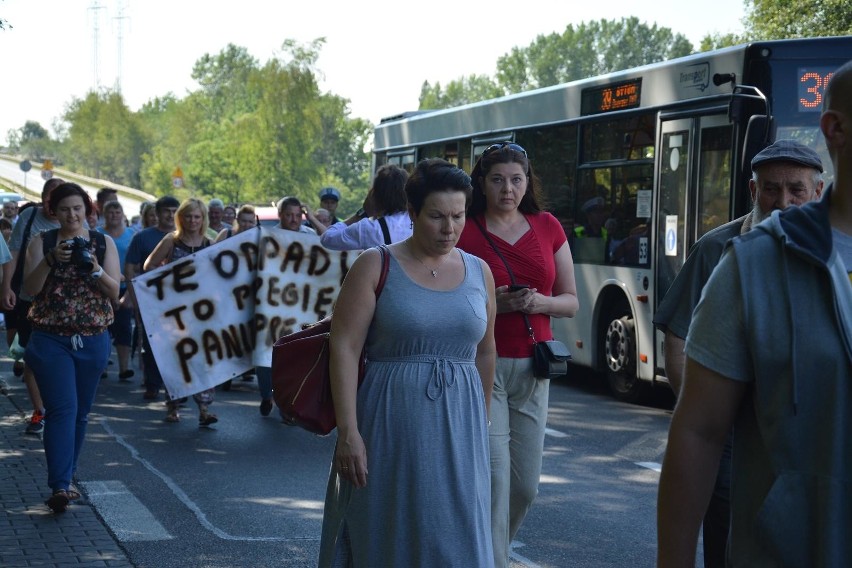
(620, 360)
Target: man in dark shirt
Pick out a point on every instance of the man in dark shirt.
(140, 248)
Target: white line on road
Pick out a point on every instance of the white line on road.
(650, 465)
(526, 562)
(128, 518)
(555, 433)
(189, 503)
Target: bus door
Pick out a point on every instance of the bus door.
(694, 191)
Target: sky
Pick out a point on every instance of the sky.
(377, 53)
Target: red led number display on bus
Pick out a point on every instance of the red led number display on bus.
(621, 96)
(812, 83)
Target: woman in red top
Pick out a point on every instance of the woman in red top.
(505, 214)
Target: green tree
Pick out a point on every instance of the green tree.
(32, 141)
(247, 134)
(225, 82)
(780, 19)
(468, 89)
(105, 139)
(171, 125)
(717, 41)
(291, 124)
(590, 48)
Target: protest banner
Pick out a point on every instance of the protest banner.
(215, 314)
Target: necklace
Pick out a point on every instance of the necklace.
(433, 271)
(192, 248)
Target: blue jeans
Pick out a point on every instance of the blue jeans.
(67, 375)
(516, 436)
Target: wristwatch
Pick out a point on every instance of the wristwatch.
(97, 273)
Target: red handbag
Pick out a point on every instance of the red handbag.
(301, 381)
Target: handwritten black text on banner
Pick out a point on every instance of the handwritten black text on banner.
(215, 314)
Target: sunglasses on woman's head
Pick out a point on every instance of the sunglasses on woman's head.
(501, 145)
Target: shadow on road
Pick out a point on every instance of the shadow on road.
(591, 382)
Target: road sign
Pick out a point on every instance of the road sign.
(26, 166)
(46, 174)
(177, 178)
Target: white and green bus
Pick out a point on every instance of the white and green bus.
(664, 147)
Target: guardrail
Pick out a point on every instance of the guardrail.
(123, 190)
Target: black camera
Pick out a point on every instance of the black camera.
(81, 254)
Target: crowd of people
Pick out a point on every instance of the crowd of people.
(477, 269)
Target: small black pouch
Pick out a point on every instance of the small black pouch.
(550, 359)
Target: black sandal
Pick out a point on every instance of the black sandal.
(58, 502)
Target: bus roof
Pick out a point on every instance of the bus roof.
(664, 83)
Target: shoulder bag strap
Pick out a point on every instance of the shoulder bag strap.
(385, 231)
(383, 250)
(508, 269)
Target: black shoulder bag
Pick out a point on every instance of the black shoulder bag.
(550, 358)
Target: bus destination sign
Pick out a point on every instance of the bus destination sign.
(812, 82)
(621, 96)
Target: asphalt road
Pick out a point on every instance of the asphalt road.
(249, 491)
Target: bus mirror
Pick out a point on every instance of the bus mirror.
(760, 133)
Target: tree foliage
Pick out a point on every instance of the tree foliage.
(468, 89)
(780, 19)
(32, 141)
(718, 40)
(588, 49)
(105, 139)
(250, 133)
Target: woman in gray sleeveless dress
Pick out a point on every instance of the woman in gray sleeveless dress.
(410, 480)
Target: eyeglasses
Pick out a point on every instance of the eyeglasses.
(501, 145)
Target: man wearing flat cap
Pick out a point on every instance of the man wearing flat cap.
(769, 355)
(784, 174)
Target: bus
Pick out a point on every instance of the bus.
(637, 165)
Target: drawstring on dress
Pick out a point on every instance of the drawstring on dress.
(76, 342)
(442, 377)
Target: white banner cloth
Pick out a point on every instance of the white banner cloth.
(215, 314)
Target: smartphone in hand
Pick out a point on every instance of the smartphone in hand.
(518, 287)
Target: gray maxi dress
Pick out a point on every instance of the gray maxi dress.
(421, 413)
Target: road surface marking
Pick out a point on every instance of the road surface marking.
(651, 465)
(555, 433)
(189, 503)
(526, 562)
(129, 519)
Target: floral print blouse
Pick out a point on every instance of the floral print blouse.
(71, 303)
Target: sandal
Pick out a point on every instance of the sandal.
(58, 502)
(172, 417)
(73, 494)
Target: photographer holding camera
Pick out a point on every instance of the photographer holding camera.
(73, 276)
